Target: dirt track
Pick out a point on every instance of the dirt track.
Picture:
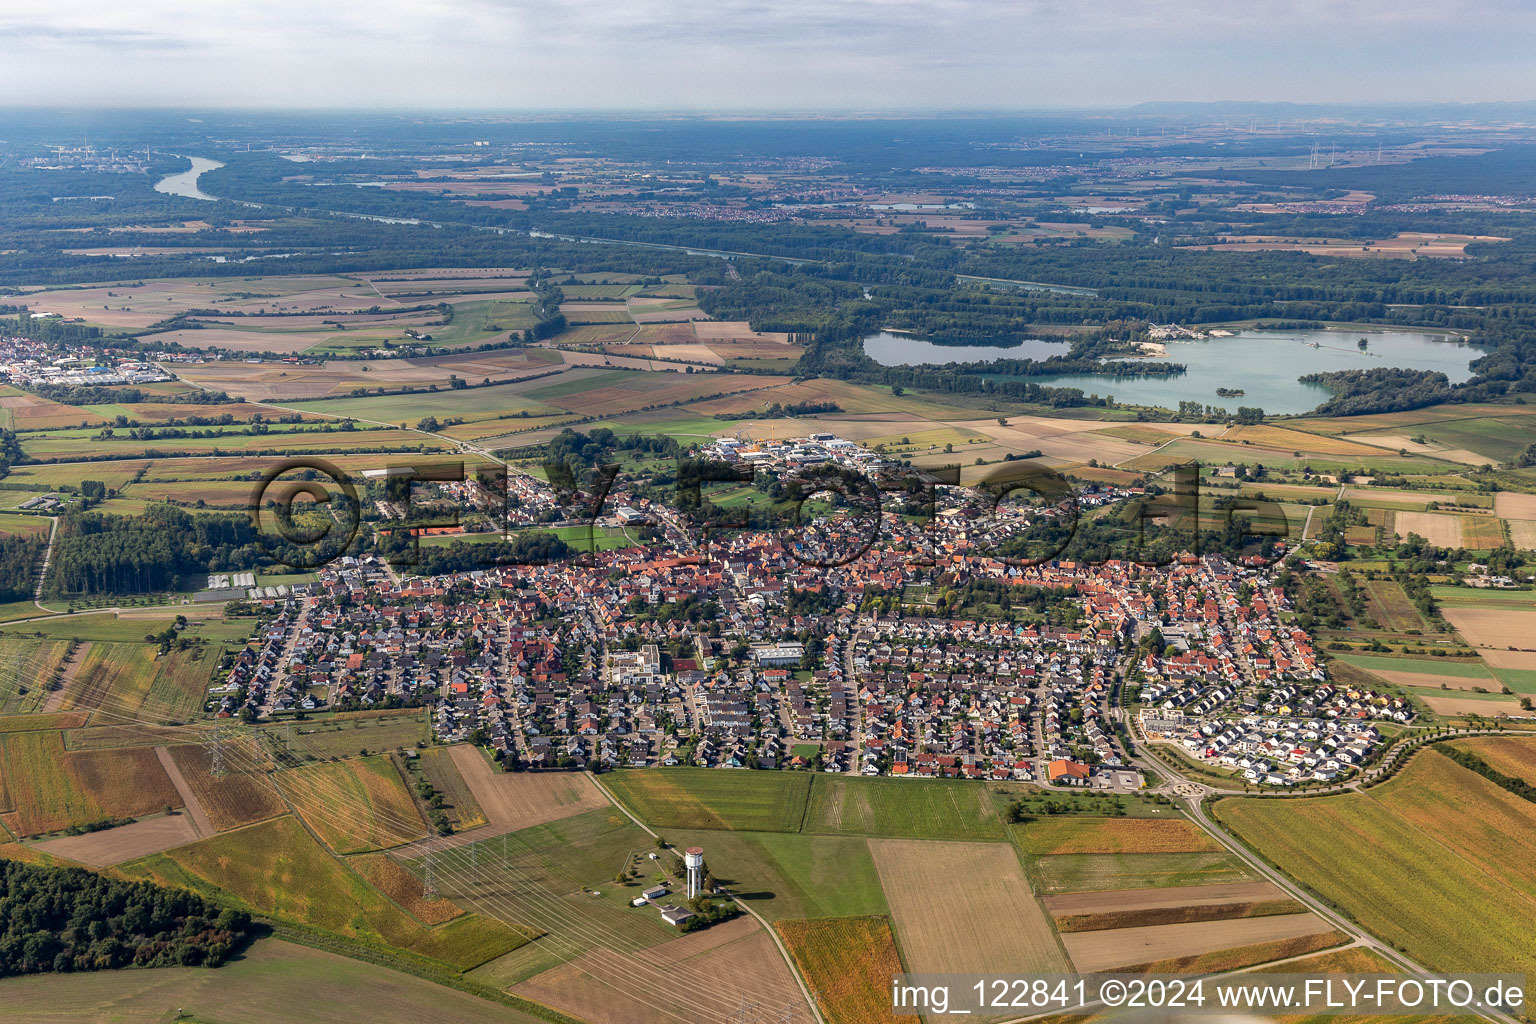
(195, 810)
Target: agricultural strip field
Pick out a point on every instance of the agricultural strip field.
(1074, 835)
(1156, 899)
(355, 805)
(1436, 861)
(1125, 947)
(45, 788)
(242, 796)
(273, 982)
(713, 799)
(277, 869)
(735, 956)
(134, 681)
(1094, 872)
(965, 907)
(848, 963)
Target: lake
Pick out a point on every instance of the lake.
(889, 349)
(1263, 364)
(185, 183)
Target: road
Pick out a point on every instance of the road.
(42, 574)
(1192, 796)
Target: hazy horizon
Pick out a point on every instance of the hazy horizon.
(871, 56)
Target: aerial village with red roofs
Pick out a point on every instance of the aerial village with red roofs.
(736, 651)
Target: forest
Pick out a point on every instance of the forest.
(70, 919)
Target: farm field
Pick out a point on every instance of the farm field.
(1157, 899)
(385, 874)
(945, 897)
(902, 808)
(1367, 853)
(714, 799)
(277, 869)
(241, 796)
(1443, 531)
(280, 382)
(1125, 947)
(1065, 834)
(516, 800)
(344, 736)
(27, 665)
(727, 958)
(125, 842)
(1093, 872)
(355, 805)
(52, 446)
(1430, 672)
(44, 788)
(1495, 628)
(272, 982)
(848, 962)
(436, 765)
(544, 878)
(1512, 755)
(121, 682)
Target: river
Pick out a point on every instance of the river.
(185, 183)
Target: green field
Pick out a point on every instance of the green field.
(1460, 668)
(27, 664)
(344, 735)
(1095, 872)
(276, 868)
(903, 808)
(792, 876)
(1436, 861)
(272, 982)
(557, 879)
(713, 798)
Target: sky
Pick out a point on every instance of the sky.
(760, 54)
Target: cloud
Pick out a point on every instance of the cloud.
(764, 55)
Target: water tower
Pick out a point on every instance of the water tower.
(693, 860)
